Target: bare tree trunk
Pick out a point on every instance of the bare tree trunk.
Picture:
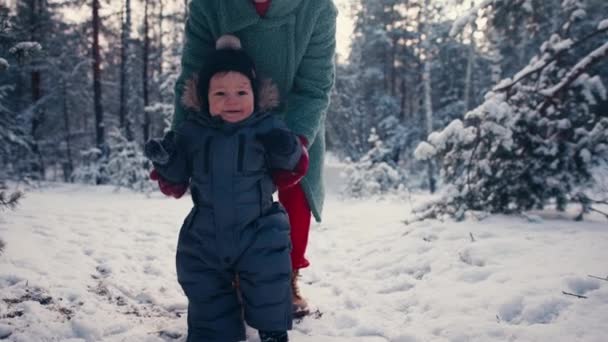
(160, 37)
(37, 121)
(185, 10)
(428, 101)
(99, 124)
(404, 93)
(393, 73)
(68, 167)
(125, 123)
(386, 69)
(36, 84)
(428, 105)
(393, 68)
(146, 52)
(468, 83)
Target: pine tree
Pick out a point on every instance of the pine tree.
(536, 137)
(11, 134)
(15, 138)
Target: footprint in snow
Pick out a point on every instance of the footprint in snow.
(526, 311)
(399, 287)
(468, 258)
(581, 286)
(103, 271)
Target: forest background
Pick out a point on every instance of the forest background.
(500, 105)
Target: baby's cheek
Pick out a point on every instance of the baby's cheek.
(215, 107)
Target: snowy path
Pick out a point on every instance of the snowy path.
(90, 264)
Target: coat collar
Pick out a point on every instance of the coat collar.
(238, 14)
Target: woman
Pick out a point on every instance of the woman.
(292, 42)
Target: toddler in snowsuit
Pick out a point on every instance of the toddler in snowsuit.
(227, 150)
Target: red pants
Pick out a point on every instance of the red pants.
(294, 201)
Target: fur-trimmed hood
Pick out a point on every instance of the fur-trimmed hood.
(267, 92)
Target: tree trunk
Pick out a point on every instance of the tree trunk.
(160, 37)
(68, 166)
(36, 122)
(428, 106)
(125, 123)
(428, 101)
(468, 83)
(404, 94)
(185, 10)
(99, 124)
(146, 52)
(36, 84)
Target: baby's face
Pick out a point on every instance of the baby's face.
(230, 96)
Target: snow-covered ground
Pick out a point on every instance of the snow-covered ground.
(91, 264)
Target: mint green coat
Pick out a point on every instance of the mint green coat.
(293, 45)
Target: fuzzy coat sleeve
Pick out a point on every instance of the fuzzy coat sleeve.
(308, 99)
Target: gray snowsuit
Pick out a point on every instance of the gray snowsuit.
(234, 227)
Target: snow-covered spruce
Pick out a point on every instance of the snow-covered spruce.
(534, 141)
(127, 166)
(376, 172)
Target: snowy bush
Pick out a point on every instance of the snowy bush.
(375, 173)
(93, 169)
(123, 165)
(127, 166)
(8, 200)
(535, 139)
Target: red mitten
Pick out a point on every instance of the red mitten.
(284, 179)
(168, 188)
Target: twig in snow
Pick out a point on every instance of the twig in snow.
(472, 237)
(598, 211)
(9, 201)
(596, 277)
(575, 295)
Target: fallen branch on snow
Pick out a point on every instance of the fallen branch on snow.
(574, 295)
(596, 277)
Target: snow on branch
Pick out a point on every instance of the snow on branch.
(538, 64)
(3, 64)
(25, 50)
(468, 17)
(577, 70)
(424, 151)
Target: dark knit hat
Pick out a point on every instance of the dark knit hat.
(228, 56)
